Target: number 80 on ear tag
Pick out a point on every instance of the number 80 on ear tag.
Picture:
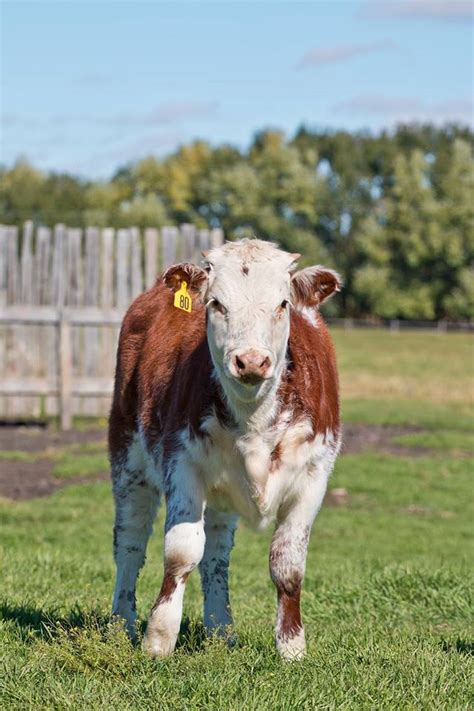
(182, 299)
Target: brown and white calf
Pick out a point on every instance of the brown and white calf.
(229, 410)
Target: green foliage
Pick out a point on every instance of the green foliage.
(394, 213)
(417, 244)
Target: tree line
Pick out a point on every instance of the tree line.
(393, 212)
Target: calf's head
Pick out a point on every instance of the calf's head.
(249, 288)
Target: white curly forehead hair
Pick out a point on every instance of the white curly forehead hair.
(248, 269)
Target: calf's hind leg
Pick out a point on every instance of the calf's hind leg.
(135, 510)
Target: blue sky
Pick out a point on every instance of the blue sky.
(88, 86)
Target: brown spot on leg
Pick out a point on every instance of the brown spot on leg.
(275, 457)
(168, 587)
(289, 614)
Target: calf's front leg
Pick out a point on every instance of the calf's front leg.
(288, 563)
(214, 568)
(184, 547)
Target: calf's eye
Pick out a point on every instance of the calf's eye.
(283, 304)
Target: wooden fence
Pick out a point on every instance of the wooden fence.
(63, 293)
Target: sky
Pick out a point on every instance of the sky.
(88, 86)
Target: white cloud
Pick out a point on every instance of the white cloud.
(446, 10)
(170, 113)
(341, 53)
(407, 108)
(166, 114)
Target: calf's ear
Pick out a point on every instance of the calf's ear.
(194, 276)
(313, 285)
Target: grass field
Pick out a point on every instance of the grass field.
(387, 596)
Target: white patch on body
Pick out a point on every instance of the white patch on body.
(310, 313)
(238, 474)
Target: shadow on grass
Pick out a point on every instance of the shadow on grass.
(460, 646)
(33, 622)
(43, 623)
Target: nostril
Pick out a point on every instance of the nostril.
(265, 364)
(239, 363)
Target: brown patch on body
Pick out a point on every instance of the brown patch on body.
(163, 376)
(310, 386)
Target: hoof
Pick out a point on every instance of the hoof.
(292, 649)
(157, 646)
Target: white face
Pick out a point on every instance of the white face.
(248, 323)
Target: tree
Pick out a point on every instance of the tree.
(401, 244)
(21, 193)
(456, 193)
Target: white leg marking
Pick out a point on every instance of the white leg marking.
(184, 548)
(165, 619)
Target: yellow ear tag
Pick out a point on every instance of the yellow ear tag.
(182, 299)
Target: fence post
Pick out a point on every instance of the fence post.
(65, 370)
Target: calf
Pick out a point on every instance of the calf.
(226, 403)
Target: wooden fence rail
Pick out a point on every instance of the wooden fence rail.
(63, 386)
(63, 293)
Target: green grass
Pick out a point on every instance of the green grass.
(387, 598)
(16, 456)
(387, 411)
(71, 465)
(452, 440)
(425, 367)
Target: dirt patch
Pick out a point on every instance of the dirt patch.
(359, 438)
(38, 439)
(336, 497)
(26, 480)
(20, 480)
